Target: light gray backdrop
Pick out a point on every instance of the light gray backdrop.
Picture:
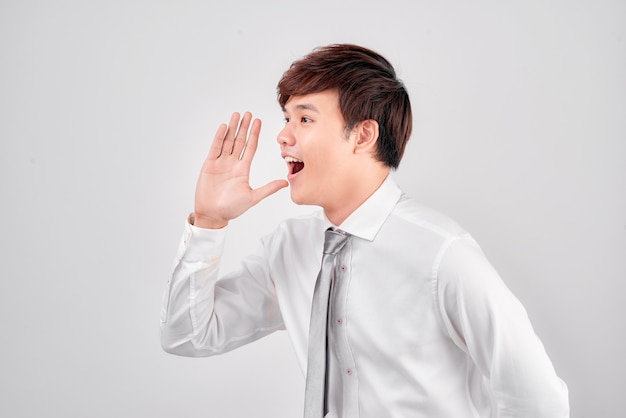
(107, 109)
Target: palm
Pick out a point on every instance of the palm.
(223, 190)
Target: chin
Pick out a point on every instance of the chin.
(296, 199)
(299, 199)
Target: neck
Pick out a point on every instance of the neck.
(356, 193)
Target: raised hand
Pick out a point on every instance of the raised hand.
(223, 190)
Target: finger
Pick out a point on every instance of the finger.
(269, 189)
(242, 135)
(253, 141)
(218, 141)
(229, 138)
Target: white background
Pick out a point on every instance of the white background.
(107, 109)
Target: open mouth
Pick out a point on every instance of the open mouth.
(295, 165)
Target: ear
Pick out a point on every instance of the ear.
(366, 136)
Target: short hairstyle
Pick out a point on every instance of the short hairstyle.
(367, 86)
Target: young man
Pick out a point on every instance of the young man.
(417, 322)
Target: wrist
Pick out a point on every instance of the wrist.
(206, 223)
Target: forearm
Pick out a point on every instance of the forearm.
(188, 302)
(203, 315)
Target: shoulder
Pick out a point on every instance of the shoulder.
(415, 215)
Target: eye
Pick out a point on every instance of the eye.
(304, 119)
(286, 120)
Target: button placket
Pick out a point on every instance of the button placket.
(346, 365)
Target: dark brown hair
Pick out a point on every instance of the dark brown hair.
(368, 88)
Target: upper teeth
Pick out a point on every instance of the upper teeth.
(291, 159)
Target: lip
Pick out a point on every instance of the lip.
(285, 155)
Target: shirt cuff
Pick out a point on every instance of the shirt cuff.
(200, 244)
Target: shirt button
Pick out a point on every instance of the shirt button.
(343, 268)
(339, 321)
(349, 371)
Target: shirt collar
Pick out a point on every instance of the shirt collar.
(367, 219)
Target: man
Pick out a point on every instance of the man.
(416, 322)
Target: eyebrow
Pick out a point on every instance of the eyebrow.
(304, 106)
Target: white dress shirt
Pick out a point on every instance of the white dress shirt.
(423, 326)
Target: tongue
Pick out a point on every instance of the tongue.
(297, 166)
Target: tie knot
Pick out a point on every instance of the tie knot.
(334, 240)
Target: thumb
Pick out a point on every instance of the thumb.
(269, 189)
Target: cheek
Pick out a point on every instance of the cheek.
(316, 160)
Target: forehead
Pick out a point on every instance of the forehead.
(322, 102)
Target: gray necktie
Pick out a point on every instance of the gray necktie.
(315, 395)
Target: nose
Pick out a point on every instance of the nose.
(285, 136)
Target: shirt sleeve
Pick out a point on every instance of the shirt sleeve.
(203, 315)
(490, 324)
